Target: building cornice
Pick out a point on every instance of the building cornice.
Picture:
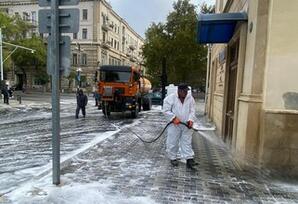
(35, 2)
(18, 3)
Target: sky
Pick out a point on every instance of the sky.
(139, 14)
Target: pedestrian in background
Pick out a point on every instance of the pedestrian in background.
(96, 96)
(82, 101)
(179, 107)
(97, 99)
(5, 93)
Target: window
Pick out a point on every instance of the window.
(33, 14)
(84, 33)
(74, 59)
(115, 76)
(104, 58)
(75, 35)
(34, 32)
(85, 14)
(24, 34)
(104, 36)
(84, 59)
(26, 16)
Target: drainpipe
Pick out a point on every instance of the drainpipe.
(207, 77)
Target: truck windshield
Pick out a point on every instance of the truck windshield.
(113, 76)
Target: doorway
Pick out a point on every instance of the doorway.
(20, 81)
(231, 91)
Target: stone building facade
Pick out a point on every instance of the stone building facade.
(253, 86)
(103, 38)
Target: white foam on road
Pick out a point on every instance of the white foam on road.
(22, 188)
(74, 193)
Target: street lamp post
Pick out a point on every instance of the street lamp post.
(1, 52)
(79, 50)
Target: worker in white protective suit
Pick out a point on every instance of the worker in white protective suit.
(179, 107)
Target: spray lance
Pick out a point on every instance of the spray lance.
(194, 127)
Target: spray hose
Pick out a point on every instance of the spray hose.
(151, 141)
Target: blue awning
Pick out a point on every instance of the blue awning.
(218, 28)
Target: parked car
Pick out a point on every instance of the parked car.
(155, 97)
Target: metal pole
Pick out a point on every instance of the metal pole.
(207, 77)
(19, 46)
(54, 57)
(1, 56)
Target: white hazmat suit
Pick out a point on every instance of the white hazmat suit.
(176, 134)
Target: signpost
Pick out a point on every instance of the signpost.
(64, 50)
(55, 21)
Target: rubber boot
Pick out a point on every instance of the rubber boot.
(174, 162)
(190, 163)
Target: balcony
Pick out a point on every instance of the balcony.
(105, 27)
(132, 58)
(111, 25)
(128, 54)
(106, 44)
(132, 47)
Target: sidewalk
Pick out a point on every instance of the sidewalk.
(14, 104)
(122, 169)
(32, 99)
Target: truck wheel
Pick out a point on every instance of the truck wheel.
(149, 105)
(135, 113)
(146, 104)
(106, 110)
(140, 107)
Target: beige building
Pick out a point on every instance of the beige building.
(253, 86)
(103, 38)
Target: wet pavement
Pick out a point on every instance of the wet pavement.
(25, 135)
(136, 169)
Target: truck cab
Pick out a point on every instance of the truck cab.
(121, 89)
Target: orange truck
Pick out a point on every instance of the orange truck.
(122, 88)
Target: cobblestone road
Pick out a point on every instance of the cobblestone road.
(25, 136)
(138, 169)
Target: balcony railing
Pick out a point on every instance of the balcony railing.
(106, 44)
(128, 54)
(132, 58)
(105, 27)
(132, 47)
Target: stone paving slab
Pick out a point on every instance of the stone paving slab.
(138, 169)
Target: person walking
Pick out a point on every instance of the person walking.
(5, 93)
(82, 101)
(179, 108)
